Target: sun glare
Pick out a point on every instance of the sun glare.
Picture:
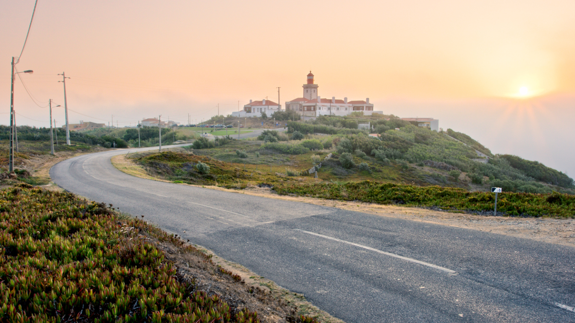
(524, 92)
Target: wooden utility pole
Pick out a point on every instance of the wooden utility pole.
(51, 131)
(66, 108)
(160, 130)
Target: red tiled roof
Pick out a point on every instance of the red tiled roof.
(417, 119)
(261, 103)
(329, 101)
(151, 119)
(357, 102)
(302, 100)
(310, 74)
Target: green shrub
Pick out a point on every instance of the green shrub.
(257, 154)
(346, 160)
(476, 178)
(539, 171)
(345, 146)
(267, 133)
(203, 143)
(270, 138)
(364, 167)
(447, 198)
(312, 144)
(296, 135)
(203, 168)
(241, 154)
(360, 153)
(455, 174)
(403, 164)
(286, 115)
(328, 144)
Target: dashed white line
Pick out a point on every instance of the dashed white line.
(565, 307)
(382, 252)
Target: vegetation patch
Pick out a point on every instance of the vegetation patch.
(447, 198)
(66, 259)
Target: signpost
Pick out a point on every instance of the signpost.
(496, 190)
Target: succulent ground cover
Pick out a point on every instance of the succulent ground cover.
(65, 259)
(446, 198)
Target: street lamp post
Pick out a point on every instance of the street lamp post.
(51, 131)
(12, 117)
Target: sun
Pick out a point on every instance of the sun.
(524, 92)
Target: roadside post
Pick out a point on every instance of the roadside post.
(496, 190)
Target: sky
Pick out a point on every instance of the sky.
(502, 72)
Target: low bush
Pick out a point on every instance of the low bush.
(241, 153)
(327, 144)
(267, 133)
(312, 144)
(360, 153)
(455, 174)
(296, 135)
(203, 143)
(448, 198)
(364, 167)
(346, 160)
(203, 168)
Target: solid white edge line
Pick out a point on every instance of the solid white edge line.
(565, 307)
(382, 252)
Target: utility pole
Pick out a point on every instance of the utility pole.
(15, 132)
(66, 108)
(51, 132)
(11, 161)
(139, 135)
(279, 104)
(56, 127)
(112, 121)
(188, 119)
(160, 130)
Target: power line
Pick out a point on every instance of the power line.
(29, 94)
(28, 117)
(28, 33)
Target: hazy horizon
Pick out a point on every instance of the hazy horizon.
(462, 63)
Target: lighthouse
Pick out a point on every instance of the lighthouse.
(310, 89)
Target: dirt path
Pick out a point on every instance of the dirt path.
(557, 231)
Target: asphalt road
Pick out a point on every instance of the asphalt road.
(358, 267)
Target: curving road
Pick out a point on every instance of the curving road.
(356, 266)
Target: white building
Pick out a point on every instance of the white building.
(255, 109)
(311, 105)
(153, 122)
(429, 123)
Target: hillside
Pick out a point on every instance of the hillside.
(402, 164)
(401, 153)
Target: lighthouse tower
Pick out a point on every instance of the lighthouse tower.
(310, 89)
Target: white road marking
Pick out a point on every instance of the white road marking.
(382, 252)
(565, 307)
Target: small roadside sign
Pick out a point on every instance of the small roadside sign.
(496, 190)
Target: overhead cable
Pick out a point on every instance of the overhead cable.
(28, 33)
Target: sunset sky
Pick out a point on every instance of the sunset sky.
(501, 71)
